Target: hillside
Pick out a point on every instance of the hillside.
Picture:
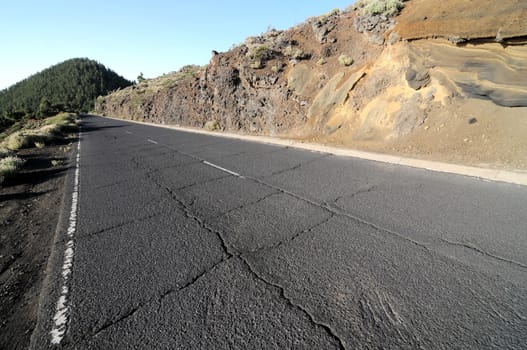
(69, 86)
(442, 81)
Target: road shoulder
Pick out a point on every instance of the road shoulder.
(30, 208)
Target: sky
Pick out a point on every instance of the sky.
(153, 37)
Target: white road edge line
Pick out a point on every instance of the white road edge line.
(62, 311)
(152, 141)
(222, 169)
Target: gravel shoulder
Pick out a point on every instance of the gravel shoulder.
(30, 204)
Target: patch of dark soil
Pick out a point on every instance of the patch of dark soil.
(29, 208)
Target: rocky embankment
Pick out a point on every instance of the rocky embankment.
(443, 81)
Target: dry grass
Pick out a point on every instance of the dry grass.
(32, 133)
(28, 138)
(49, 130)
(56, 162)
(9, 166)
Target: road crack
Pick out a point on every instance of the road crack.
(203, 182)
(483, 252)
(188, 214)
(326, 327)
(298, 166)
(113, 227)
(158, 299)
(334, 203)
(257, 201)
(231, 252)
(292, 238)
(341, 213)
(150, 171)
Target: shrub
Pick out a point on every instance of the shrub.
(187, 71)
(295, 53)
(334, 12)
(4, 152)
(276, 69)
(258, 53)
(345, 60)
(56, 162)
(9, 166)
(380, 7)
(212, 125)
(321, 61)
(256, 64)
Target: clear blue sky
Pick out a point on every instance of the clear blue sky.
(149, 36)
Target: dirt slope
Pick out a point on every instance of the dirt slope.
(467, 19)
(29, 211)
(442, 81)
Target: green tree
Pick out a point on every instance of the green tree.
(45, 109)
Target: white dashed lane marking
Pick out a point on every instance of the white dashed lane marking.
(222, 169)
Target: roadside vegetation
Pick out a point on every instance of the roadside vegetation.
(70, 86)
(386, 8)
(32, 134)
(9, 166)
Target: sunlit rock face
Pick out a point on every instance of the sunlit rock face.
(444, 80)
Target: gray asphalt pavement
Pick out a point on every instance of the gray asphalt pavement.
(189, 241)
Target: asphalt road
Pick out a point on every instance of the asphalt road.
(188, 241)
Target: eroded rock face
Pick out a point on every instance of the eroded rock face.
(333, 95)
(397, 91)
(374, 27)
(417, 79)
(485, 71)
(373, 24)
(324, 25)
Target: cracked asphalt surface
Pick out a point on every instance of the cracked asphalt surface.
(302, 250)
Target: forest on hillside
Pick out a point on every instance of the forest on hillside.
(70, 86)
